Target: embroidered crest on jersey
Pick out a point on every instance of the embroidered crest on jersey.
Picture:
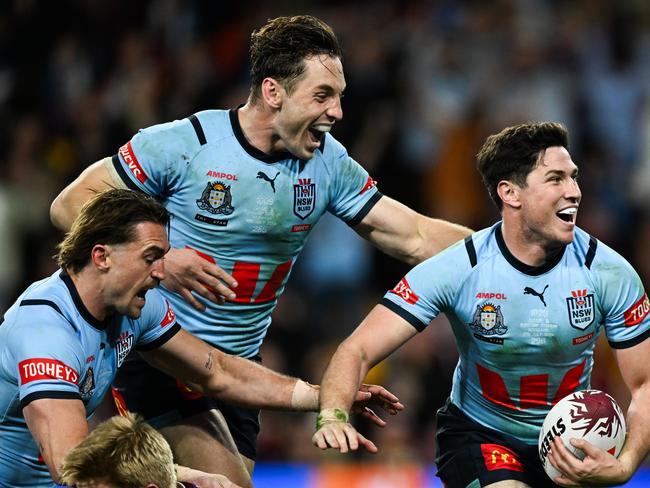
(216, 199)
(40, 369)
(488, 320)
(123, 346)
(580, 306)
(637, 312)
(304, 198)
(87, 386)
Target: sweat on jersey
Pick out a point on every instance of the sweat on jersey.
(525, 335)
(248, 212)
(52, 347)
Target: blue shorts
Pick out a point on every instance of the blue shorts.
(162, 400)
(470, 454)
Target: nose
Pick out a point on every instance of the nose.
(158, 270)
(335, 110)
(573, 191)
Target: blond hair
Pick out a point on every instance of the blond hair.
(124, 451)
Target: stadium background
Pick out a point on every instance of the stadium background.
(427, 81)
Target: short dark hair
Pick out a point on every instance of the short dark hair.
(515, 151)
(279, 49)
(109, 217)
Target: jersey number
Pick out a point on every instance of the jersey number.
(247, 275)
(533, 389)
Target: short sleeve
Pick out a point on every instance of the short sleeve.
(625, 304)
(429, 288)
(156, 158)
(47, 355)
(158, 322)
(353, 192)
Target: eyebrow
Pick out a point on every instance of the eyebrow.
(560, 172)
(157, 250)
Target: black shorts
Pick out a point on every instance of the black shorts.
(470, 453)
(162, 400)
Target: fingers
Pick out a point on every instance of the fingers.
(384, 398)
(372, 416)
(341, 436)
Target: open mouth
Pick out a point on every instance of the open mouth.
(318, 131)
(568, 214)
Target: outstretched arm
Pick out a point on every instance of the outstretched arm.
(405, 234)
(380, 333)
(246, 383)
(600, 467)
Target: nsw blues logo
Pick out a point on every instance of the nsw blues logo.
(304, 198)
(216, 199)
(580, 306)
(488, 320)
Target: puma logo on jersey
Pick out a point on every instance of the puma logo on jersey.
(263, 176)
(529, 291)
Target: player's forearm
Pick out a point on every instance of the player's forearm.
(435, 235)
(637, 443)
(342, 378)
(250, 384)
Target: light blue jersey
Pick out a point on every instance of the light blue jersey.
(525, 335)
(248, 212)
(52, 347)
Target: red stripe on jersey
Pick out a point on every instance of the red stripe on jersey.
(270, 290)
(38, 369)
(126, 151)
(246, 275)
(637, 312)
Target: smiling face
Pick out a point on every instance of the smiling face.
(548, 203)
(135, 267)
(311, 107)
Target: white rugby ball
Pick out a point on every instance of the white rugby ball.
(588, 414)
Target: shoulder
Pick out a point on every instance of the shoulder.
(184, 137)
(478, 247)
(595, 254)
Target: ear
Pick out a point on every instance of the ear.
(272, 92)
(509, 193)
(99, 255)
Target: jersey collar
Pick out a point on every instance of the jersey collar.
(523, 267)
(252, 150)
(81, 308)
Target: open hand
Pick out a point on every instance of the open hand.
(187, 271)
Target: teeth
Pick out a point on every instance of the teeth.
(568, 211)
(322, 127)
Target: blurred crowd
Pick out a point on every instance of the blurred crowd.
(427, 82)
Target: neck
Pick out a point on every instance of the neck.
(525, 246)
(256, 123)
(90, 289)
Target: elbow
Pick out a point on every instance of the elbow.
(57, 212)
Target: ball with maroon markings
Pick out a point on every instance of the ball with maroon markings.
(591, 415)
